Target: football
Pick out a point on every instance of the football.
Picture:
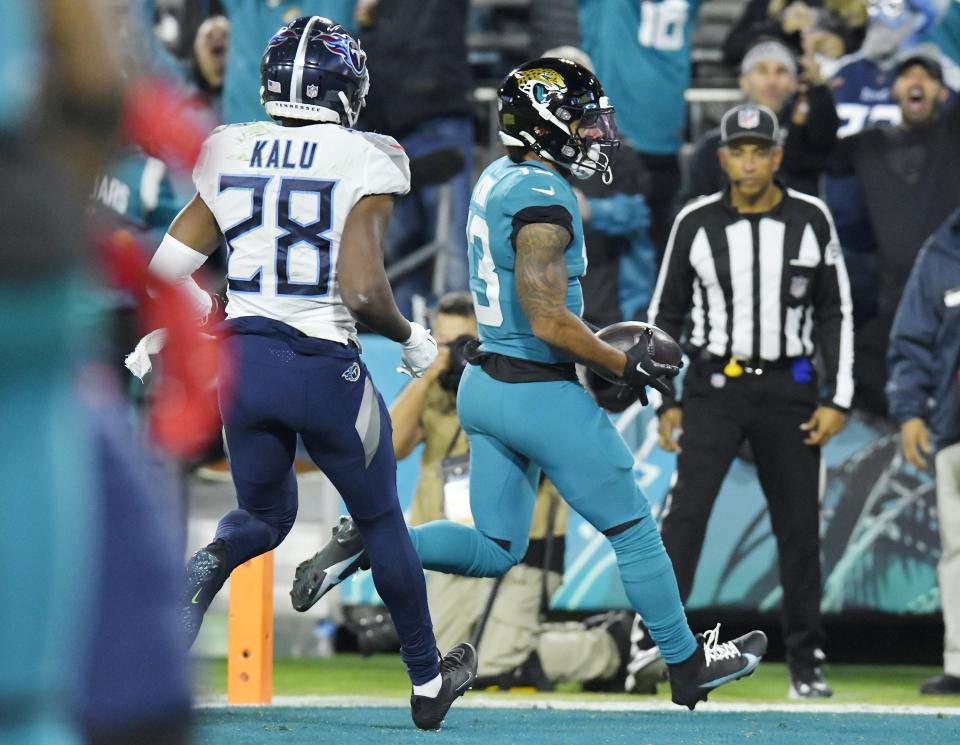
(626, 334)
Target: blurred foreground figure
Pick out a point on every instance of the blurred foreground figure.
(79, 663)
(49, 494)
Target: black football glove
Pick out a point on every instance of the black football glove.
(642, 369)
(629, 393)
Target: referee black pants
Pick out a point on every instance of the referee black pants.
(719, 413)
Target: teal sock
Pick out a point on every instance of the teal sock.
(651, 587)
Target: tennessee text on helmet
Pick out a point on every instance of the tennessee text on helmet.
(313, 69)
(558, 109)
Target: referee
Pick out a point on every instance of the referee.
(759, 270)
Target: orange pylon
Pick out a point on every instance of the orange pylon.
(250, 633)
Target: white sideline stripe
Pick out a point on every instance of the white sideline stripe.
(479, 701)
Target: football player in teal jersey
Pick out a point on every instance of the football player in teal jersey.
(520, 402)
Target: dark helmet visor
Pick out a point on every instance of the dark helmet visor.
(598, 125)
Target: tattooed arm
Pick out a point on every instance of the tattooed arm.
(541, 275)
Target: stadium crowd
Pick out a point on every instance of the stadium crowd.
(858, 98)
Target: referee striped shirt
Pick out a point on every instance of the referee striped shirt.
(760, 287)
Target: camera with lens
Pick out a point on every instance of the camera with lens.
(449, 379)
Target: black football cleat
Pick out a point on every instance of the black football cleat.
(941, 685)
(808, 682)
(205, 574)
(330, 566)
(458, 670)
(714, 664)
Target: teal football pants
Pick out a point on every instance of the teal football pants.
(515, 429)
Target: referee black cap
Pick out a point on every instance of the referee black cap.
(749, 122)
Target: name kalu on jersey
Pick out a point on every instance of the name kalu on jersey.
(295, 155)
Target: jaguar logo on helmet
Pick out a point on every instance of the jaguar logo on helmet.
(540, 81)
(347, 49)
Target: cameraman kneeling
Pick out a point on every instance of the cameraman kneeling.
(516, 647)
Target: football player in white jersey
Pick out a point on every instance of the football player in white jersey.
(303, 203)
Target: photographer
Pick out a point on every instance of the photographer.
(516, 648)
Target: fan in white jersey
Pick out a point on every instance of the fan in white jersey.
(303, 204)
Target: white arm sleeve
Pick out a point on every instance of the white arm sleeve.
(176, 261)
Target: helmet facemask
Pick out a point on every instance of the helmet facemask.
(594, 139)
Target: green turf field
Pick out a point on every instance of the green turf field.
(383, 676)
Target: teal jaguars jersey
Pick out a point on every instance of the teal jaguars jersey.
(641, 51)
(504, 189)
(137, 192)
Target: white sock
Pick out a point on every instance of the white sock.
(430, 689)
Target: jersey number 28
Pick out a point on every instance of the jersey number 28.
(294, 232)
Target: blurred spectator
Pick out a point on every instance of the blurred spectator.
(252, 23)
(192, 15)
(862, 88)
(136, 193)
(910, 178)
(753, 265)
(62, 663)
(769, 77)
(827, 27)
(166, 27)
(924, 393)
(418, 68)
(146, 52)
(516, 646)
(209, 55)
(49, 490)
(641, 51)
(621, 259)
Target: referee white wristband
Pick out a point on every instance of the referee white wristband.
(176, 261)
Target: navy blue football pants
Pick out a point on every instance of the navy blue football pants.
(287, 384)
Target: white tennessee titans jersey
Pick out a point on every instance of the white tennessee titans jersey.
(281, 196)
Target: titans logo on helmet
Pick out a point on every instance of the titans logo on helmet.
(344, 46)
(281, 36)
